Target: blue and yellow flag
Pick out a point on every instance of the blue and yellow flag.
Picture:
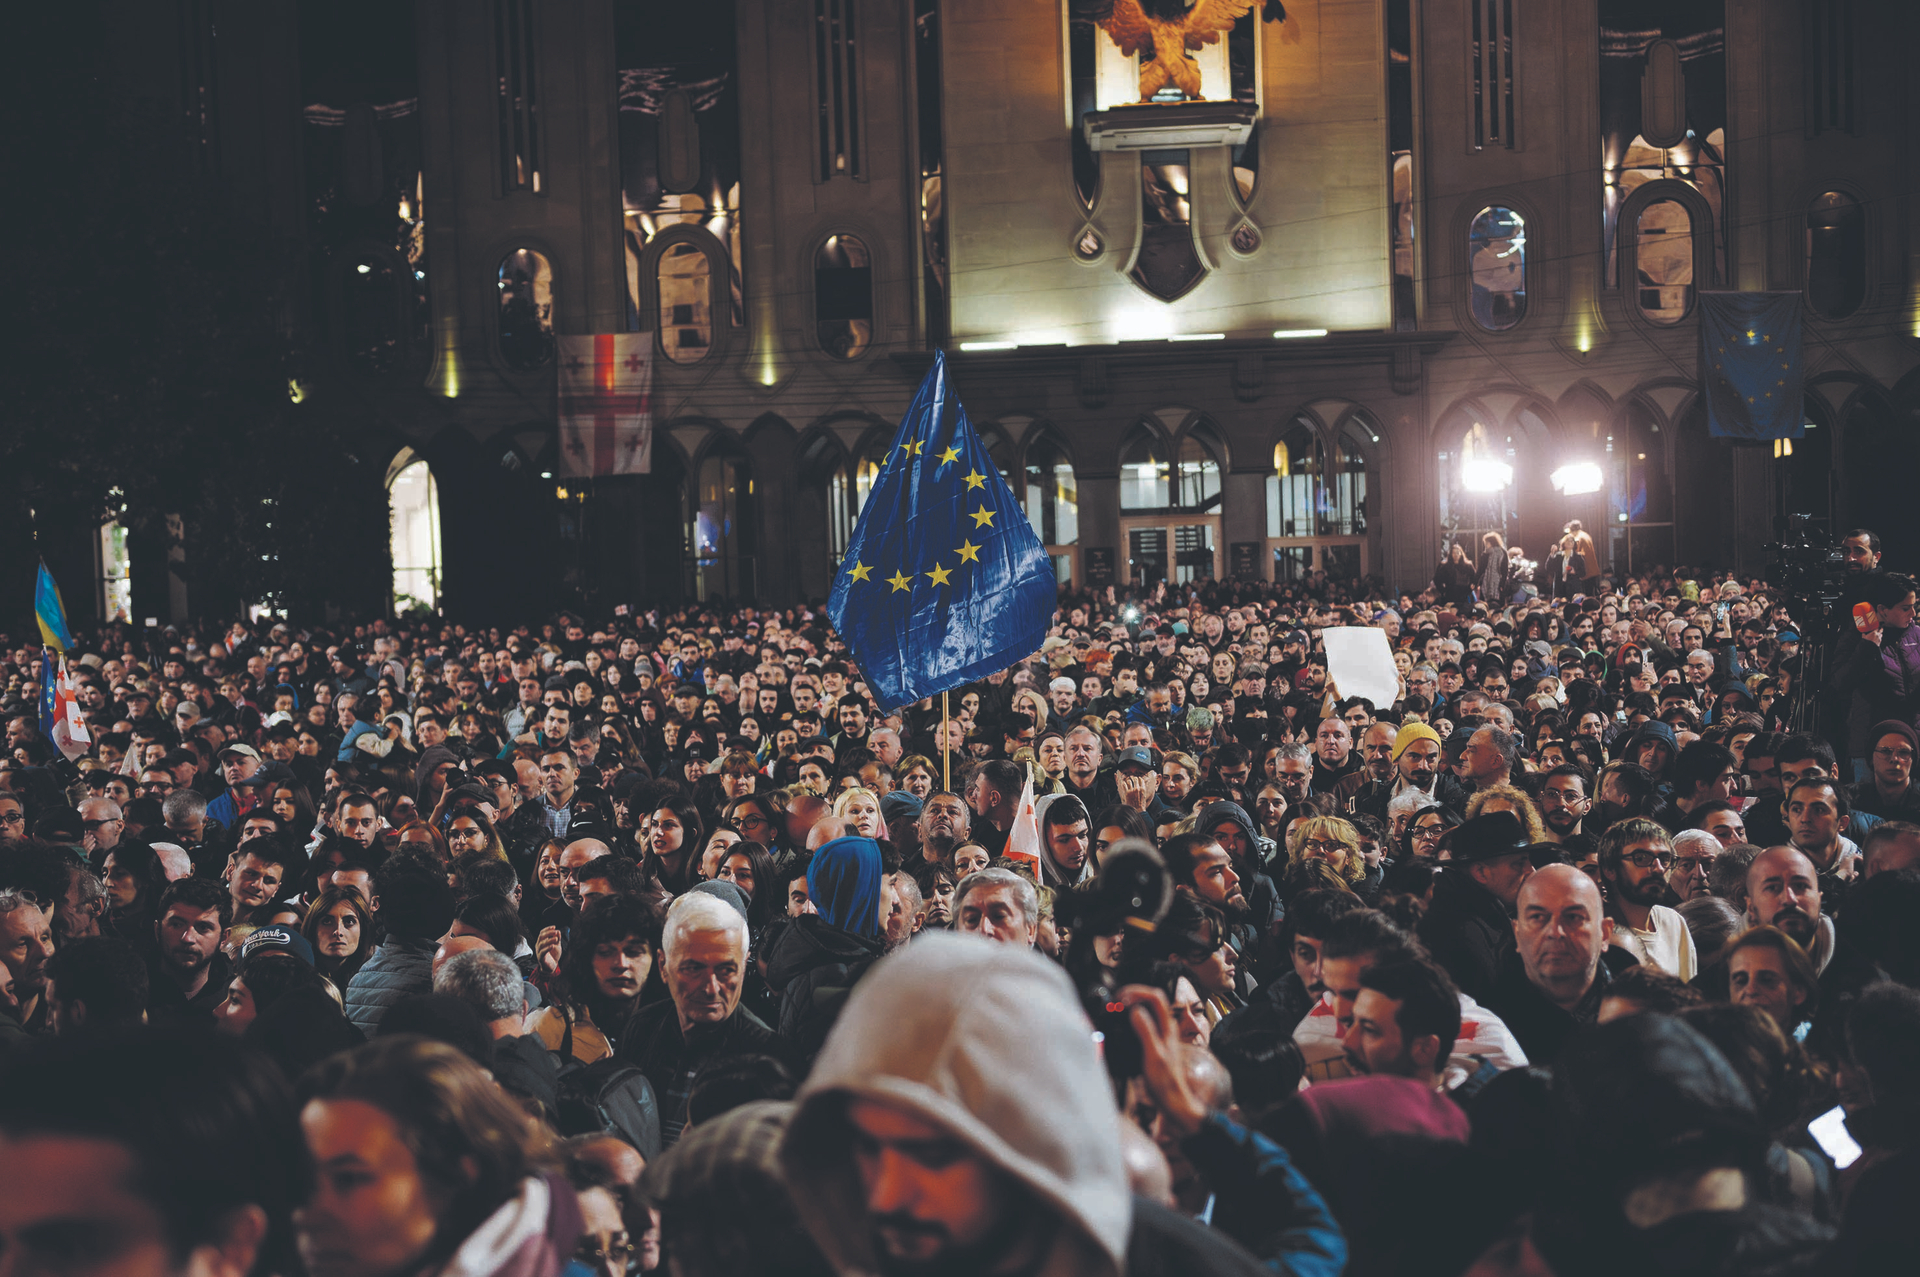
(1751, 365)
(944, 580)
(51, 613)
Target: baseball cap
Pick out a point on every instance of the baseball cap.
(282, 938)
(1138, 754)
(245, 751)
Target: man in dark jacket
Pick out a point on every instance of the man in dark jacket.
(820, 957)
(1469, 926)
(416, 909)
(963, 1072)
(1554, 983)
(703, 961)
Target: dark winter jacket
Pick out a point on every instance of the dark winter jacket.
(813, 967)
(399, 968)
(654, 1044)
(1468, 931)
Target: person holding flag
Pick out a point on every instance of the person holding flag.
(61, 721)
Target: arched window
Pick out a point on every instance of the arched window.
(1293, 489)
(1144, 472)
(1640, 504)
(685, 278)
(1497, 257)
(867, 467)
(721, 526)
(1199, 479)
(1476, 486)
(526, 310)
(1053, 493)
(1663, 261)
(372, 336)
(1836, 255)
(1000, 450)
(843, 297)
(414, 500)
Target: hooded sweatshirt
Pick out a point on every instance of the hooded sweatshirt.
(986, 1041)
(843, 881)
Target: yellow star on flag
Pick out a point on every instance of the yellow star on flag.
(983, 518)
(899, 580)
(914, 448)
(861, 572)
(970, 553)
(939, 575)
(951, 454)
(1749, 334)
(975, 479)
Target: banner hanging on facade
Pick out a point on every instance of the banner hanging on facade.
(606, 404)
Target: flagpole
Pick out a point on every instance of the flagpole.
(946, 763)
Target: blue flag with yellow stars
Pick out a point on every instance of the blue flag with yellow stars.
(1751, 365)
(944, 580)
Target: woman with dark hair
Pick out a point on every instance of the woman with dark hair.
(936, 883)
(540, 903)
(341, 932)
(291, 802)
(420, 1155)
(135, 880)
(466, 828)
(608, 958)
(1453, 579)
(747, 866)
(675, 834)
(759, 819)
(1425, 834)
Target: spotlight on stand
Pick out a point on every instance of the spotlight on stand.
(1577, 478)
(1483, 475)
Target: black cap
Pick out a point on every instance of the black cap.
(1496, 833)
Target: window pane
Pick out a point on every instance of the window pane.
(1147, 555)
(686, 303)
(843, 296)
(1143, 473)
(1193, 553)
(415, 502)
(1199, 475)
(722, 534)
(1053, 495)
(1293, 491)
(1292, 563)
(1663, 260)
(1836, 255)
(1345, 513)
(526, 310)
(1497, 253)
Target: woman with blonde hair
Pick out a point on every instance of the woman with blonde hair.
(860, 808)
(423, 1164)
(1331, 839)
(1509, 798)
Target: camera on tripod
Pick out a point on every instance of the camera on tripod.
(1810, 570)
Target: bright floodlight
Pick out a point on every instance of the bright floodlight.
(1482, 475)
(1577, 478)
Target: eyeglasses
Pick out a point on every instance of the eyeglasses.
(1321, 848)
(1428, 833)
(590, 1251)
(13, 818)
(1897, 755)
(1649, 859)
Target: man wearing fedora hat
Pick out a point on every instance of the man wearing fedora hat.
(1469, 926)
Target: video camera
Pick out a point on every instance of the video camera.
(1810, 570)
(1130, 894)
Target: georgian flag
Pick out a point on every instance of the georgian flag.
(60, 719)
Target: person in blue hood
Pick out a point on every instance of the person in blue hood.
(1654, 747)
(818, 958)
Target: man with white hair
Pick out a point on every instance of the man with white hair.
(704, 963)
(489, 982)
(998, 904)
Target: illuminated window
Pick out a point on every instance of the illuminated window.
(1143, 472)
(1497, 256)
(1836, 255)
(720, 528)
(1492, 91)
(685, 278)
(1293, 489)
(1168, 264)
(843, 297)
(116, 574)
(414, 501)
(1053, 494)
(519, 103)
(1663, 261)
(1199, 472)
(526, 310)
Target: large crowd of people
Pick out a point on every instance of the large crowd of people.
(651, 942)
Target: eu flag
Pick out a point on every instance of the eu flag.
(1751, 365)
(944, 580)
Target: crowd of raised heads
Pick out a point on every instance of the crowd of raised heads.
(650, 942)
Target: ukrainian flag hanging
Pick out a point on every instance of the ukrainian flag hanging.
(1751, 367)
(51, 613)
(944, 580)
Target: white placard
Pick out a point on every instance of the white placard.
(1359, 663)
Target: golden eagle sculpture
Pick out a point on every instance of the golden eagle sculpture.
(1164, 30)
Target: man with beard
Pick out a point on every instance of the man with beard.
(1229, 825)
(1556, 981)
(1468, 927)
(944, 825)
(188, 975)
(1200, 864)
(1084, 752)
(1374, 781)
(1635, 856)
(901, 1165)
(1564, 803)
(1783, 891)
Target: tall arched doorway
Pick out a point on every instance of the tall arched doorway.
(722, 532)
(413, 503)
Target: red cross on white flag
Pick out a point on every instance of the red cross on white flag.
(606, 404)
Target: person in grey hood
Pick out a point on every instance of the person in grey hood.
(959, 1121)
